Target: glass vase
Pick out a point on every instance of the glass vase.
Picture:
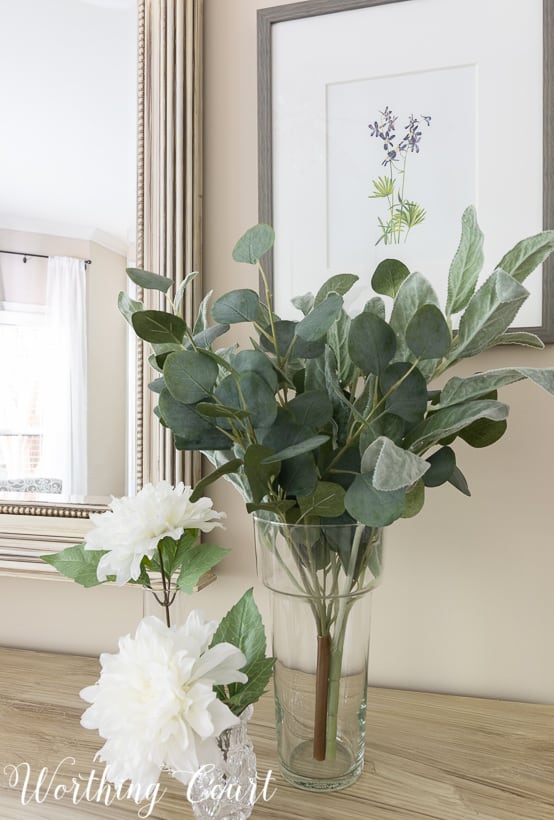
(227, 791)
(321, 578)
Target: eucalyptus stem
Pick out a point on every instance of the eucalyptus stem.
(337, 649)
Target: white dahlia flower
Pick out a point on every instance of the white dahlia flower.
(154, 702)
(133, 527)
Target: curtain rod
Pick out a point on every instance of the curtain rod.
(39, 256)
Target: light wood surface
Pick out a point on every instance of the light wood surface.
(429, 757)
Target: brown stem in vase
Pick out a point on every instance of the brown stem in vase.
(321, 692)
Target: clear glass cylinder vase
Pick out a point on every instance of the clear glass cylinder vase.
(321, 577)
(227, 790)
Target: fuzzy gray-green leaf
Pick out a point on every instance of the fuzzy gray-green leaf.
(444, 423)
(527, 255)
(466, 265)
(393, 467)
(490, 312)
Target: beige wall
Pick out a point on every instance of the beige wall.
(466, 604)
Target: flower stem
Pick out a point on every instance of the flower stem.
(166, 585)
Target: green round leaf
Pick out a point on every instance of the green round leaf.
(428, 335)
(371, 343)
(373, 507)
(285, 332)
(341, 284)
(149, 281)
(191, 431)
(258, 362)
(442, 466)
(158, 327)
(483, 432)
(236, 306)
(415, 499)
(253, 244)
(389, 275)
(409, 399)
(315, 325)
(190, 375)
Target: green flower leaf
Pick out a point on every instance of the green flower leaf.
(389, 275)
(253, 244)
(195, 561)
(414, 292)
(428, 335)
(285, 331)
(191, 430)
(243, 627)
(236, 306)
(77, 563)
(415, 499)
(150, 281)
(466, 265)
(190, 375)
(371, 343)
(458, 480)
(257, 362)
(158, 327)
(459, 389)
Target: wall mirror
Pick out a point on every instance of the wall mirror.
(141, 126)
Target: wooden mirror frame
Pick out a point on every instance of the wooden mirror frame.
(169, 241)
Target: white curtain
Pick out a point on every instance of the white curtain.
(64, 444)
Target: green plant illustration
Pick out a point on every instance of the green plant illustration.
(402, 214)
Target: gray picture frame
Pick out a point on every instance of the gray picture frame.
(269, 17)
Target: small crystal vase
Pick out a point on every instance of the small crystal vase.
(227, 791)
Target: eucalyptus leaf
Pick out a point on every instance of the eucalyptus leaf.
(373, 507)
(190, 375)
(260, 476)
(298, 474)
(311, 409)
(149, 281)
(202, 316)
(389, 275)
(408, 398)
(305, 446)
(236, 306)
(415, 499)
(304, 303)
(287, 340)
(466, 265)
(428, 335)
(253, 360)
(327, 499)
(207, 337)
(157, 385)
(315, 325)
(483, 432)
(229, 467)
(339, 284)
(371, 343)
(253, 244)
(458, 480)
(158, 327)
(377, 306)
(441, 464)
(191, 430)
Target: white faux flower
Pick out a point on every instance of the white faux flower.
(154, 703)
(134, 526)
